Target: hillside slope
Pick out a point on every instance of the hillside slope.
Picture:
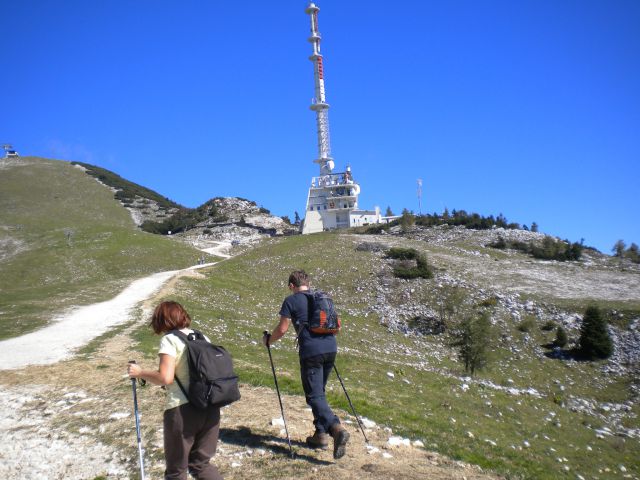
(528, 415)
(65, 241)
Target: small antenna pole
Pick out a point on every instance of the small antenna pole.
(420, 196)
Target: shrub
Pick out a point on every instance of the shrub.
(500, 243)
(595, 342)
(421, 268)
(377, 228)
(473, 221)
(548, 326)
(489, 302)
(527, 325)
(402, 253)
(561, 337)
(551, 249)
(184, 219)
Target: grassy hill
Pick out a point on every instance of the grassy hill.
(65, 241)
(525, 416)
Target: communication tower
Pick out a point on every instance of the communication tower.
(333, 197)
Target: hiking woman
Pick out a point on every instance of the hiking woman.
(190, 434)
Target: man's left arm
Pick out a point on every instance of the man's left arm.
(278, 332)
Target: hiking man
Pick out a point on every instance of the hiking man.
(317, 356)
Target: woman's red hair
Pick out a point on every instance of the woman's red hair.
(169, 316)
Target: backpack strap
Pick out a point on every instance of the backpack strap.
(185, 338)
(309, 295)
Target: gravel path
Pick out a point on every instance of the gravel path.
(76, 328)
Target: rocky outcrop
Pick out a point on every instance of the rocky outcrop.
(143, 209)
(239, 220)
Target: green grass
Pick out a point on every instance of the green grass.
(241, 297)
(68, 243)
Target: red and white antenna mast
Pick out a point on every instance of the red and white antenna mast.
(319, 103)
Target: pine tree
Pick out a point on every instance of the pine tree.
(389, 212)
(595, 342)
(474, 339)
(407, 220)
(618, 248)
(561, 337)
(633, 253)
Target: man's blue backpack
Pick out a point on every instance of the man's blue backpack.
(322, 317)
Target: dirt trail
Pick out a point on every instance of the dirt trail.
(77, 327)
(74, 420)
(82, 409)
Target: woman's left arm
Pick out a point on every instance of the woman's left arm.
(163, 376)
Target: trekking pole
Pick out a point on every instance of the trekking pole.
(137, 415)
(275, 379)
(351, 404)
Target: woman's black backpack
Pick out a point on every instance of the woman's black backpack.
(212, 380)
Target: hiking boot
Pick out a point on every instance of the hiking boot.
(318, 440)
(340, 439)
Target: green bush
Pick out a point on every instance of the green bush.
(500, 244)
(548, 326)
(595, 342)
(527, 325)
(561, 339)
(399, 253)
(472, 221)
(489, 302)
(184, 219)
(421, 268)
(551, 249)
(377, 228)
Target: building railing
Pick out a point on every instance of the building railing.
(332, 179)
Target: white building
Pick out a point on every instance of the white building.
(332, 201)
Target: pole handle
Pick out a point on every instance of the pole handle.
(143, 382)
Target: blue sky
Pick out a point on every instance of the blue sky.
(528, 108)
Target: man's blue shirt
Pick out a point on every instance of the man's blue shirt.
(296, 307)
